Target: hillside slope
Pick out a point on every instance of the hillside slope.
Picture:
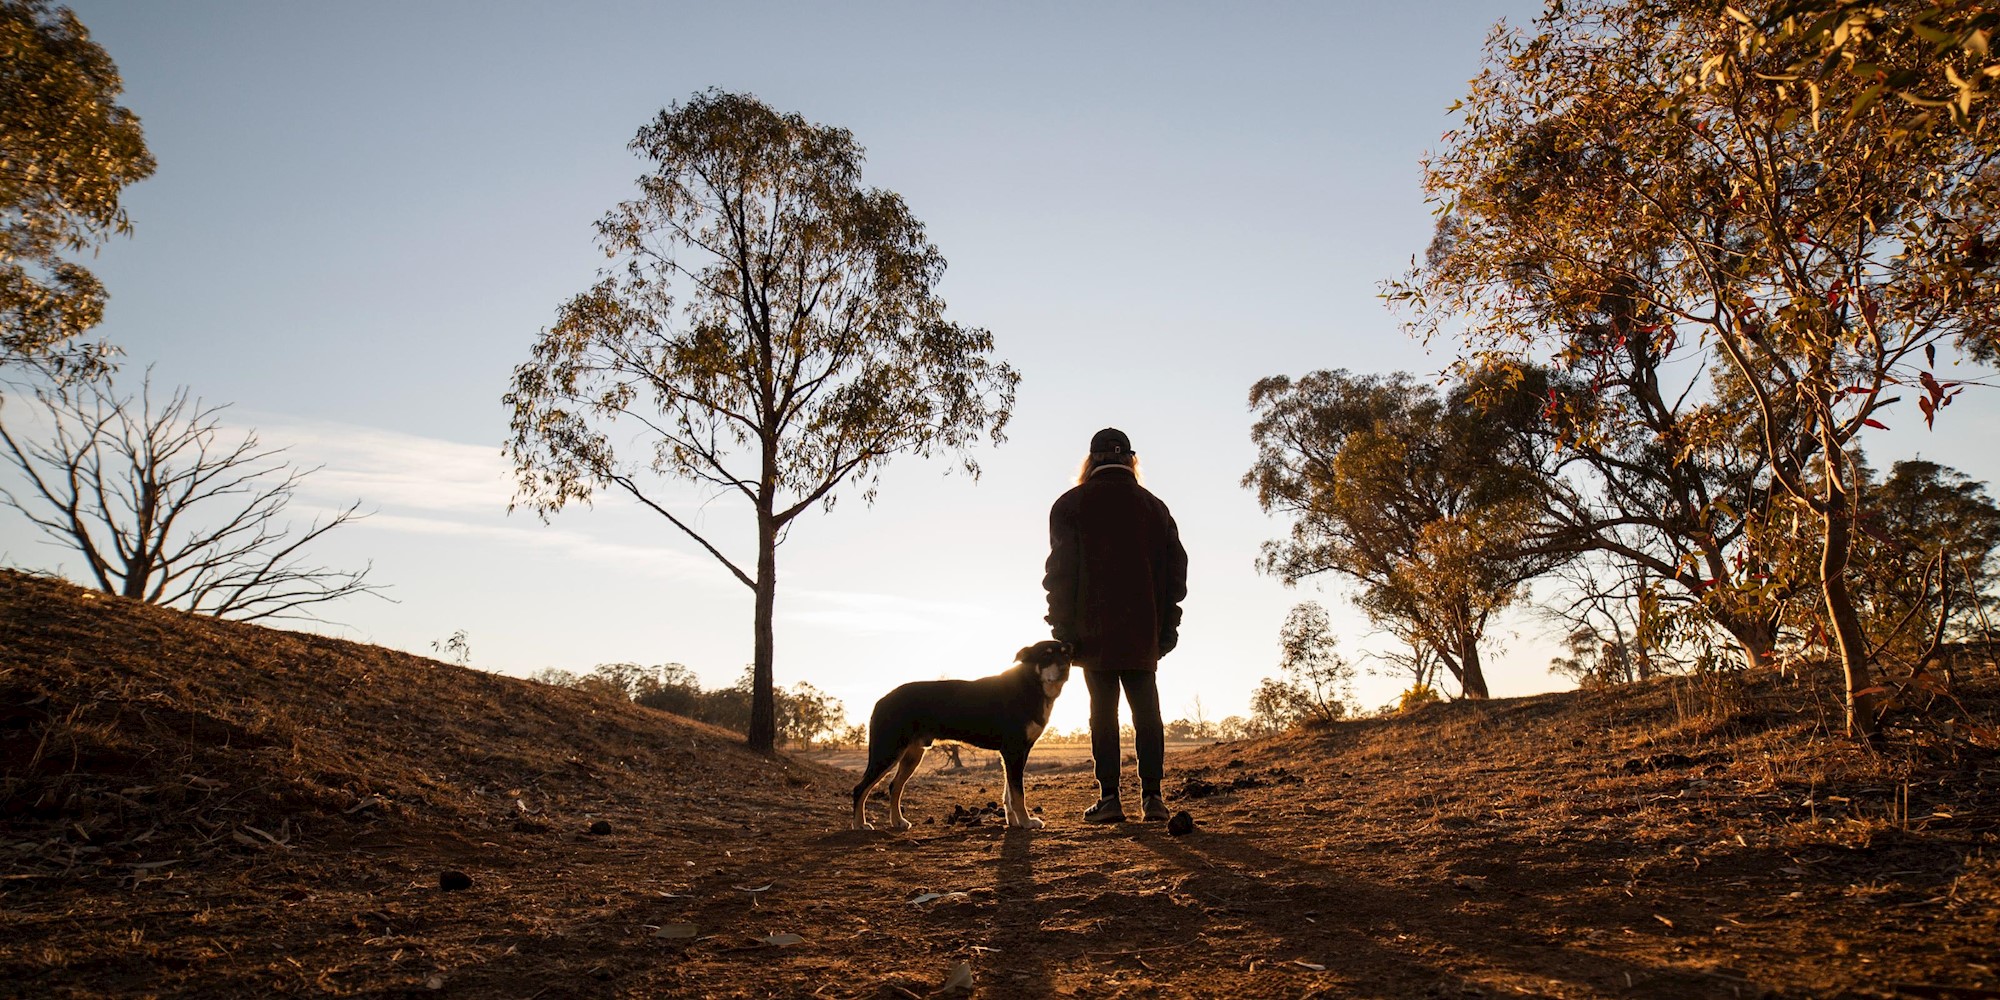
(199, 809)
(131, 733)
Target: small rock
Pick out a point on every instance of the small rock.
(452, 880)
(601, 828)
(1182, 824)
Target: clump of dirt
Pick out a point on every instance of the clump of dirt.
(1195, 786)
(961, 816)
(194, 808)
(1674, 761)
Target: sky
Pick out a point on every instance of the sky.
(364, 213)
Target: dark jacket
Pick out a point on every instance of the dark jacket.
(1116, 573)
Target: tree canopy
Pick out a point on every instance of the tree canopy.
(1426, 500)
(1927, 537)
(67, 151)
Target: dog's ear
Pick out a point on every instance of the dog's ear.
(1026, 655)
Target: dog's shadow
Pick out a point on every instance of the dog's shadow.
(1018, 965)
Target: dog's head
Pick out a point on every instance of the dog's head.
(1050, 660)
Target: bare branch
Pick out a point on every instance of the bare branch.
(167, 508)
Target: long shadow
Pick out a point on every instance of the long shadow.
(1020, 968)
(1361, 921)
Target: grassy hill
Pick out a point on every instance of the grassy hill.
(200, 808)
(121, 721)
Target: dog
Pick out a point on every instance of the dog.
(1006, 712)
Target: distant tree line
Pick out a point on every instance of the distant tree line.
(806, 716)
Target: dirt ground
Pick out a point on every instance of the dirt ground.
(190, 811)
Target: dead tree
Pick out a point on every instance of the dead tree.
(168, 508)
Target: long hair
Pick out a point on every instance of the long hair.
(1092, 463)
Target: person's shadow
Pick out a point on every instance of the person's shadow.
(1019, 967)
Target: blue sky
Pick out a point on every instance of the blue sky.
(364, 212)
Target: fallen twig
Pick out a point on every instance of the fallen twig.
(1140, 951)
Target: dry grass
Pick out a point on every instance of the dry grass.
(192, 808)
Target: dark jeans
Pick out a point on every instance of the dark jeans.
(1142, 692)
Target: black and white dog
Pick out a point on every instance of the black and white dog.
(1005, 712)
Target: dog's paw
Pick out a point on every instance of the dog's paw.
(864, 826)
(900, 824)
(1034, 822)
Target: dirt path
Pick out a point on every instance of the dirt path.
(1356, 871)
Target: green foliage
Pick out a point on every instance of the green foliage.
(674, 688)
(769, 329)
(1594, 661)
(806, 715)
(1936, 57)
(1236, 727)
(1278, 705)
(1656, 467)
(67, 150)
(1821, 245)
(1417, 696)
(1426, 500)
(1928, 534)
(1324, 679)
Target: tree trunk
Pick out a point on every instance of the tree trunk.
(1838, 541)
(763, 735)
(1757, 639)
(1471, 677)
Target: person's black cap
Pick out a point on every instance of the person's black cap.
(1110, 441)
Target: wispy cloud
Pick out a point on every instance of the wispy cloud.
(391, 469)
(430, 486)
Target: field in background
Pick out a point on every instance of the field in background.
(1046, 756)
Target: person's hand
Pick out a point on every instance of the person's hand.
(1168, 640)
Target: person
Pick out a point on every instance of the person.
(1116, 576)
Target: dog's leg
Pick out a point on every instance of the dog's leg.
(877, 767)
(1016, 762)
(905, 766)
